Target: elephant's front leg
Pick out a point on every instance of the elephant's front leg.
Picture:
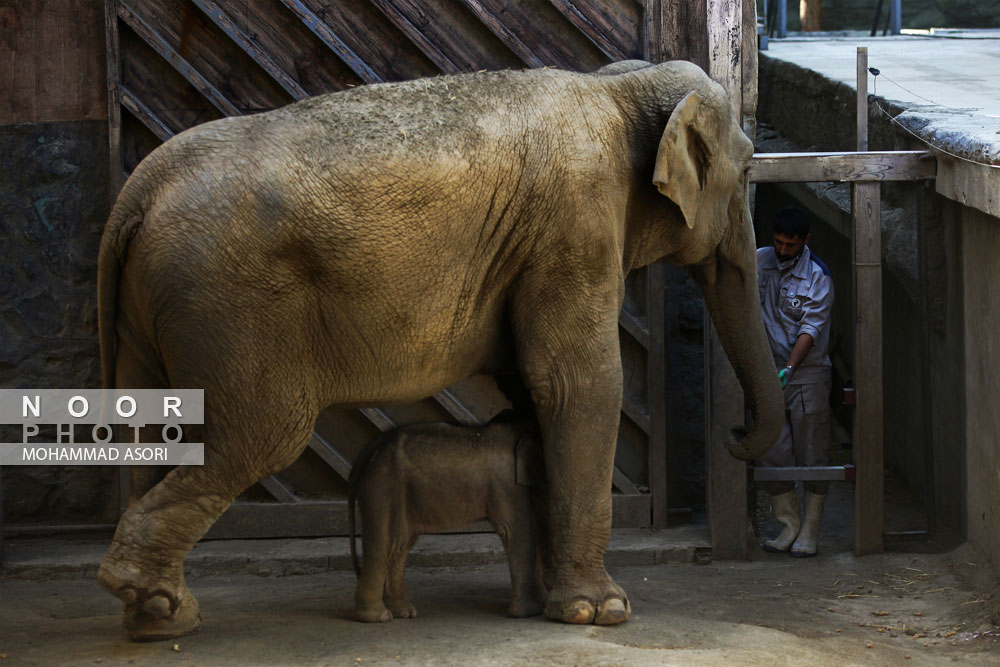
(570, 360)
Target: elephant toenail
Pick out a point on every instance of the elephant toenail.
(128, 595)
(157, 606)
(579, 612)
(613, 611)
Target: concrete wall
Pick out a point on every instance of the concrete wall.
(981, 254)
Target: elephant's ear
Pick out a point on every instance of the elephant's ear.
(684, 157)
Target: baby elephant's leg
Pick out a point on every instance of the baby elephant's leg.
(395, 586)
(368, 606)
(514, 523)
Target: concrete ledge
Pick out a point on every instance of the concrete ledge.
(45, 558)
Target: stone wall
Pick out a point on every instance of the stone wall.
(53, 205)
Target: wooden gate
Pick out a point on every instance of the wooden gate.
(176, 63)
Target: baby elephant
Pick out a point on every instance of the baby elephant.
(434, 477)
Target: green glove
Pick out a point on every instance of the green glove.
(784, 375)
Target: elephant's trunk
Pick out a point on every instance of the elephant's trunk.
(734, 304)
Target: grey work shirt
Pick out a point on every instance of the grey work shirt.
(798, 302)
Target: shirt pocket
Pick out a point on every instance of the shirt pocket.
(792, 305)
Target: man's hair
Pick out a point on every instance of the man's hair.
(791, 221)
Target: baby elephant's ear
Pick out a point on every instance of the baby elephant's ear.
(684, 156)
(529, 468)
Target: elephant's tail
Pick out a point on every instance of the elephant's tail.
(357, 470)
(125, 218)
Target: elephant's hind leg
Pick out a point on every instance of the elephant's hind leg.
(144, 566)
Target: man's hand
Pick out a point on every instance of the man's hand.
(785, 375)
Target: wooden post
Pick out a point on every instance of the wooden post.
(866, 251)
(726, 476)
(656, 378)
(114, 98)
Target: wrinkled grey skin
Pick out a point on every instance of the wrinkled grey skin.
(425, 478)
(376, 245)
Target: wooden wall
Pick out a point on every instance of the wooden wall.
(52, 61)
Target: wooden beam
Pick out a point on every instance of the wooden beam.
(330, 455)
(634, 327)
(381, 420)
(278, 489)
(842, 167)
(621, 482)
(183, 67)
(793, 473)
(636, 414)
(144, 114)
(510, 40)
(724, 407)
(418, 38)
(588, 29)
(251, 48)
(456, 409)
(114, 98)
(866, 253)
(332, 41)
(656, 381)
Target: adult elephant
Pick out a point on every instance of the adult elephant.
(375, 245)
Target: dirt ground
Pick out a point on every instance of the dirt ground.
(835, 609)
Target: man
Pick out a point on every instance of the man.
(796, 299)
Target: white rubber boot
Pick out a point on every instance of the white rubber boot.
(805, 545)
(786, 511)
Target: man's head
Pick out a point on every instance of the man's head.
(791, 233)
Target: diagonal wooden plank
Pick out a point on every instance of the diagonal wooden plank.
(251, 48)
(418, 38)
(330, 455)
(634, 327)
(588, 29)
(279, 490)
(145, 114)
(456, 409)
(623, 483)
(332, 41)
(636, 414)
(509, 39)
(381, 420)
(161, 46)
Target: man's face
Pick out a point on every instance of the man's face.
(789, 247)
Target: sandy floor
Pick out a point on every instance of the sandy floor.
(835, 609)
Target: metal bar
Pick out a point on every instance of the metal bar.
(145, 114)
(332, 41)
(509, 39)
(222, 20)
(895, 17)
(782, 18)
(842, 167)
(795, 473)
(183, 67)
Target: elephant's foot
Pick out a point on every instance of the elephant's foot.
(150, 611)
(602, 602)
(523, 608)
(401, 608)
(372, 613)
